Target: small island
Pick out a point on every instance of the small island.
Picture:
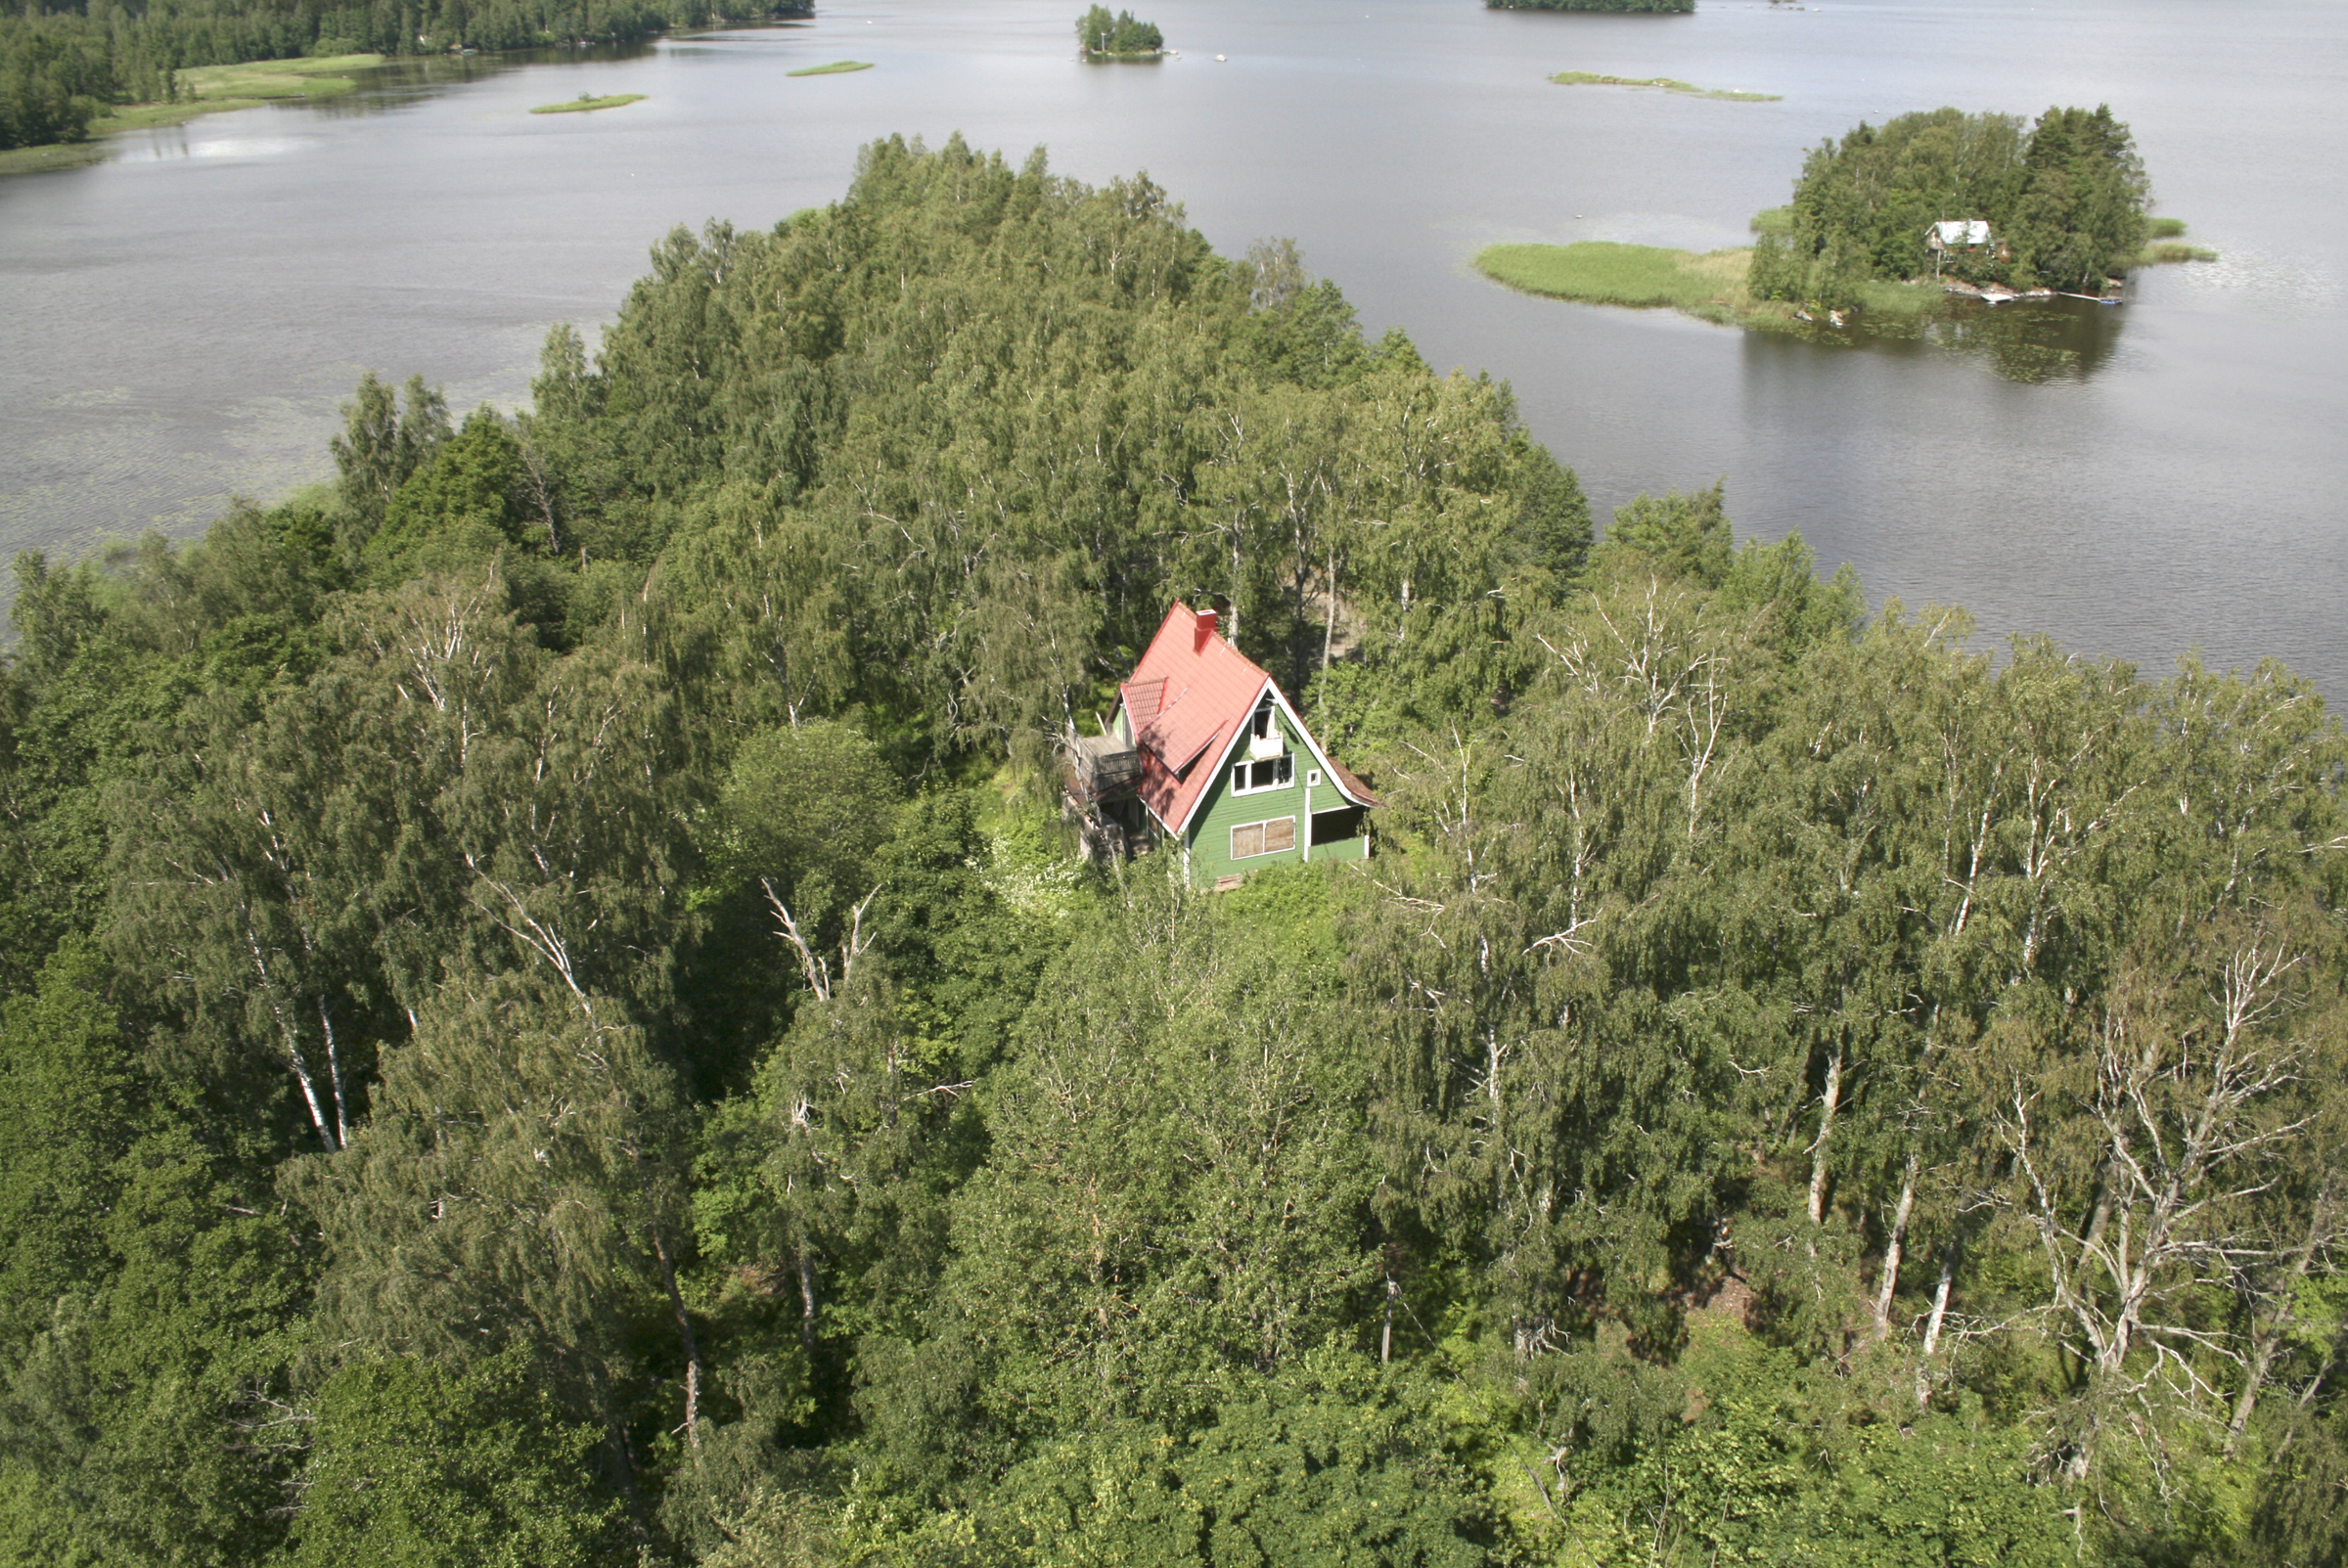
(586, 104)
(833, 69)
(1103, 36)
(1967, 204)
(1889, 223)
(1669, 84)
(1673, 7)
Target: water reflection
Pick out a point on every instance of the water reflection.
(2033, 342)
(403, 79)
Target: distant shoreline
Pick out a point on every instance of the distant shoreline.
(212, 90)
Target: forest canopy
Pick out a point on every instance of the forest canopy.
(2066, 203)
(549, 1014)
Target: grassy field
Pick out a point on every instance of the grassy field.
(1709, 286)
(1669, 84)
(834, 69)
(1600, 272)
(324, 77)
(583, 103)
(212, 89)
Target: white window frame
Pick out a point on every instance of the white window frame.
(1285, 763)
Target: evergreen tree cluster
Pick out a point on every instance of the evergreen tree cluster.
(1100, 33)
(59, 74)
(2065, 204)
(61, 66)
(548, 1013)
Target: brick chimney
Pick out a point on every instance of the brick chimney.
(1206, 619)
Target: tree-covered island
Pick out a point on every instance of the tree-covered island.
(1103, 36)
(550, 1011)
(1884, 223)
(1948, 194)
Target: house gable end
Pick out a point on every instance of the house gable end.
(1188, 709)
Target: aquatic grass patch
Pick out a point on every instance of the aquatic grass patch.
(583, 103)
(1600, 272)
(1669, 84)
(1710, 285)
(1680, 6)
(833, 69)
(2165, 243)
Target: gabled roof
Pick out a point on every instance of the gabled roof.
(1189, 701)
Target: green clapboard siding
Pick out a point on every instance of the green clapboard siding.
(1210, 829)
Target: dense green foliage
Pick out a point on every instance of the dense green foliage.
(548, 1013)
(1100, 33)
(61, 64)
(1675, 6)
(2065, 204)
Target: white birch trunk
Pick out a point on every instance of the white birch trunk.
(1828, 1104)
(1894, 1246)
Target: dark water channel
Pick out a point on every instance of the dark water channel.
(180, 321)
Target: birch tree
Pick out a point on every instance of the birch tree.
(2141, 1148)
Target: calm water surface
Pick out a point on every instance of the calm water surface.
(180, 322)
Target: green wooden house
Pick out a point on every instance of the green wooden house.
(1206, 750)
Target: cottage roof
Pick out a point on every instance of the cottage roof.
(1959, 230)
(1189, 701)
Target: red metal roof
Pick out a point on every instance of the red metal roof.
(1188, 698)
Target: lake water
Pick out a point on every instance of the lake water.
(181, 322)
